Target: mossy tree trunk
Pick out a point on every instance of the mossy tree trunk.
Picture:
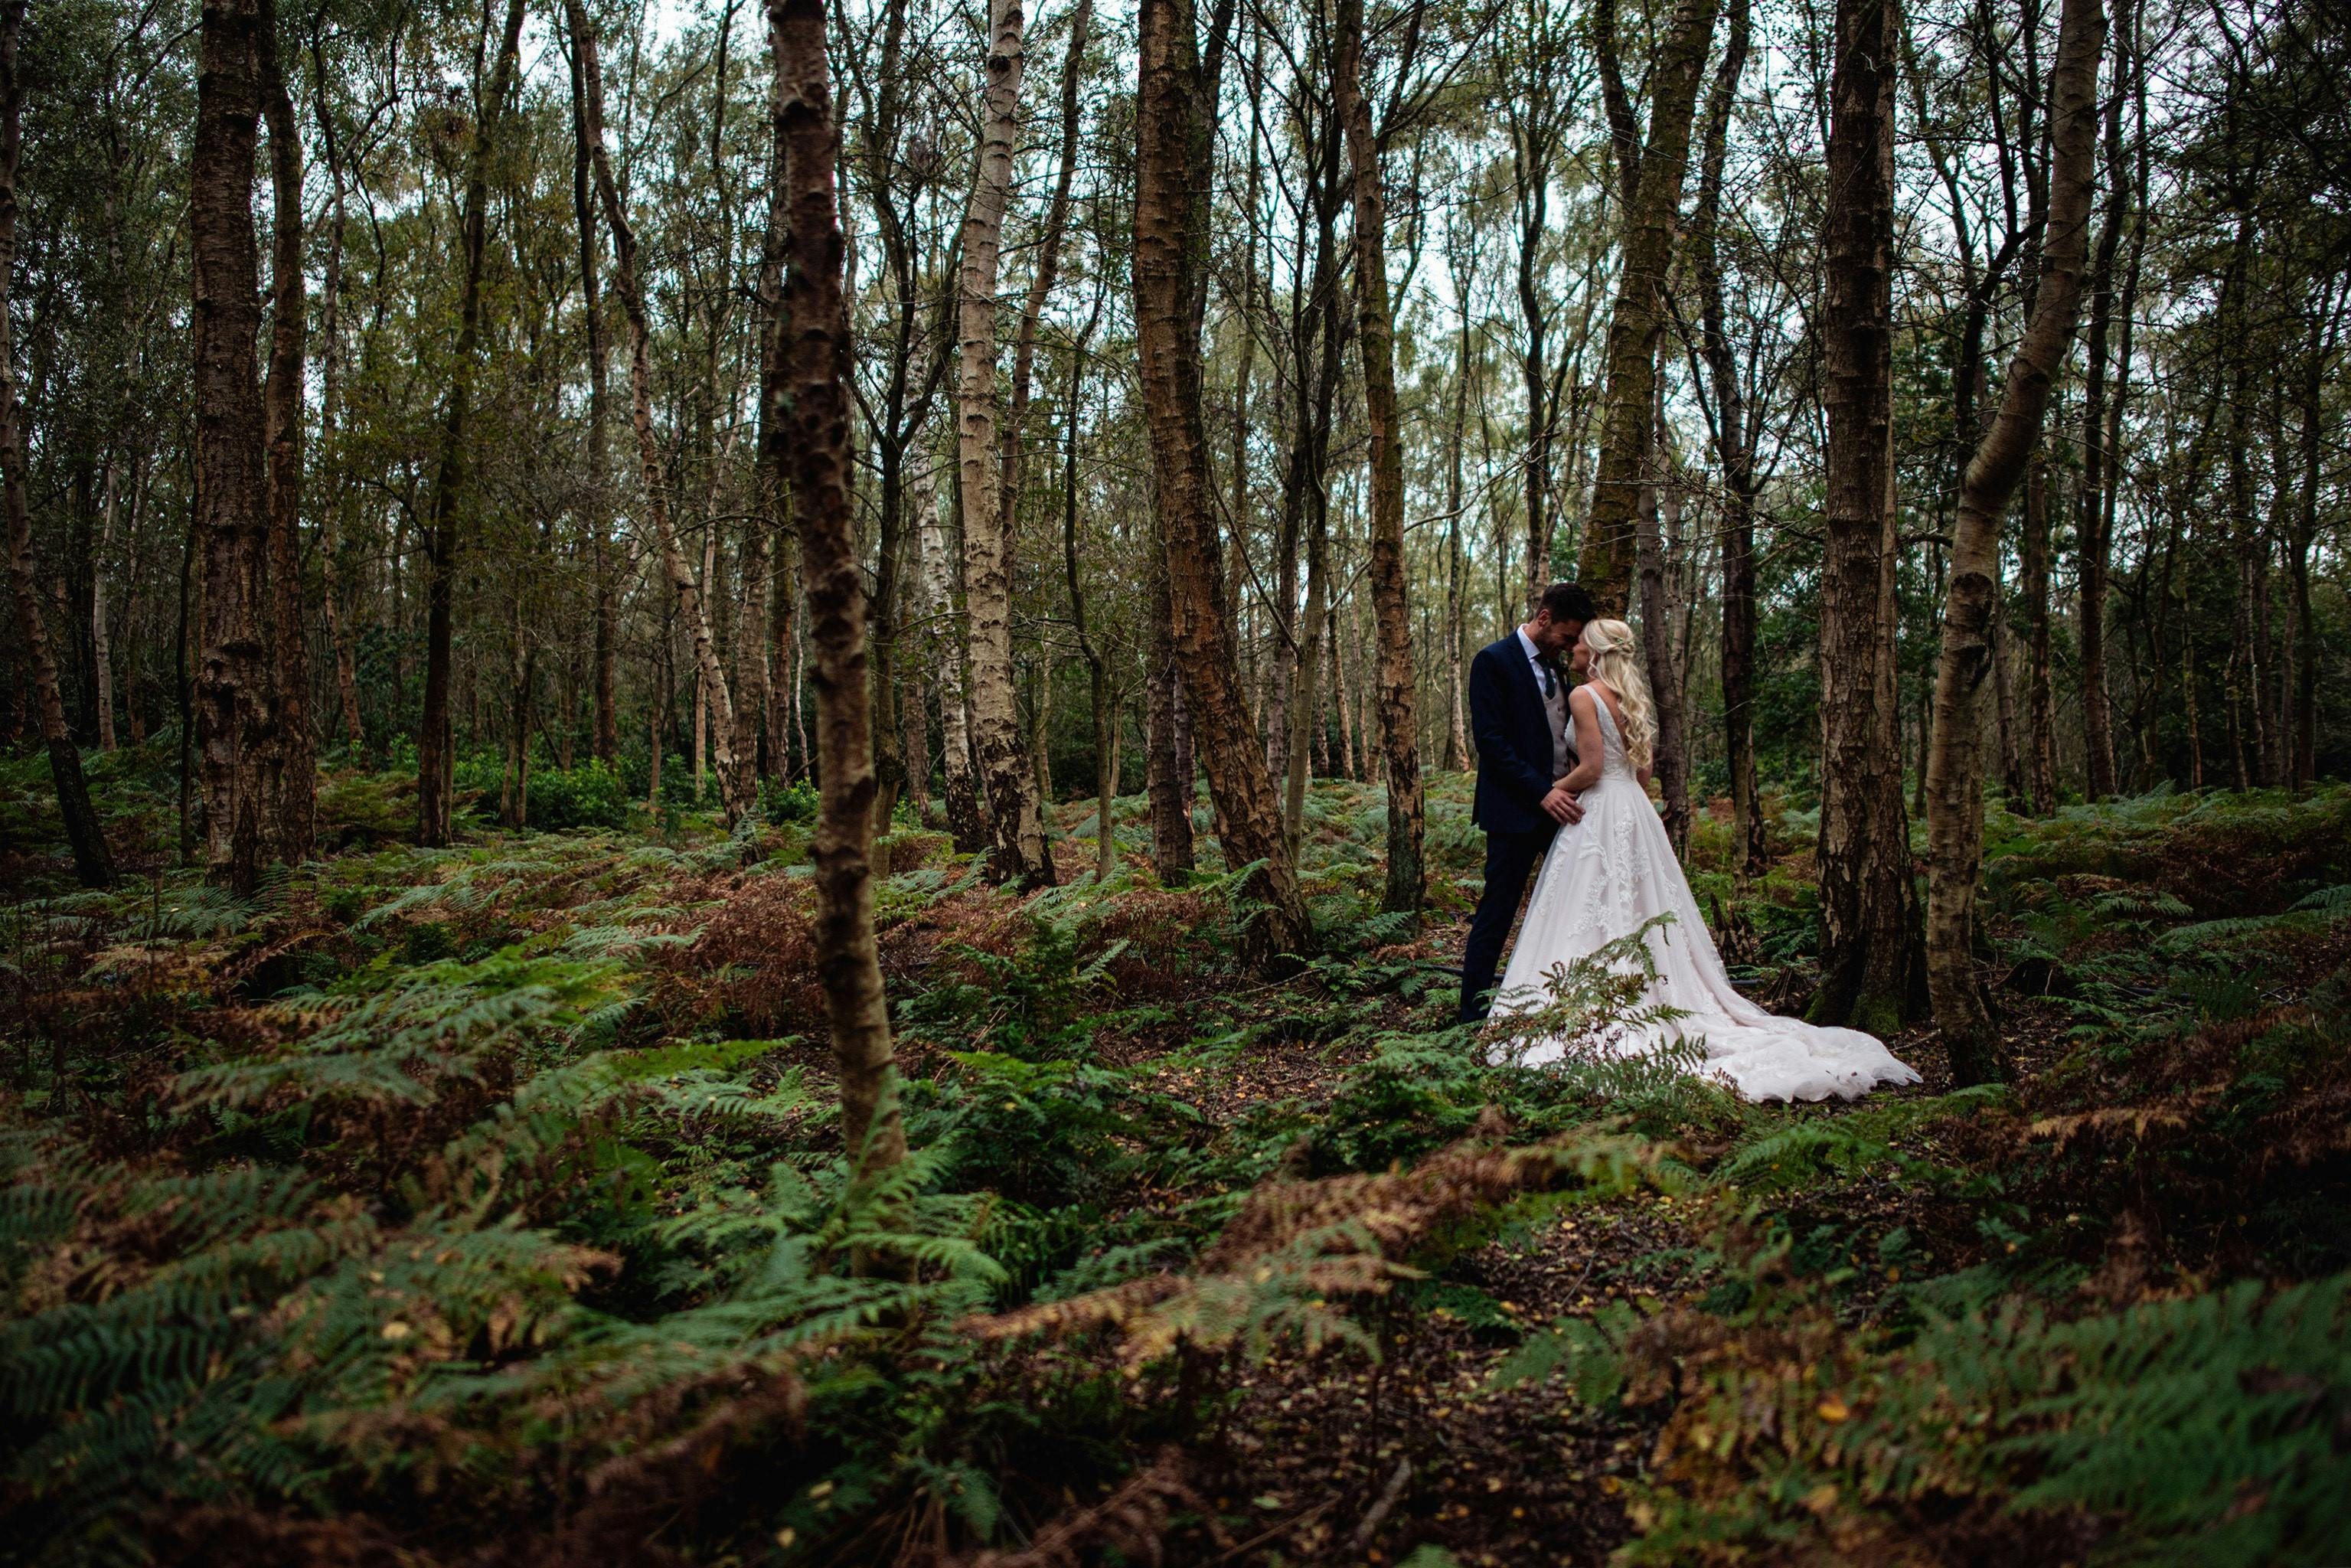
(1173, 169)
(1955, 758)
(1653, 194)
(1869, 940)
(1399, 723)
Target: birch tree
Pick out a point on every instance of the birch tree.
(1019, 853)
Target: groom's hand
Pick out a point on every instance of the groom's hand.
(1563, 808)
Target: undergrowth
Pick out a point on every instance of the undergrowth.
(487, 1204)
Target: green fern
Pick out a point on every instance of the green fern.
(1784, 1155)
(1588, 1351)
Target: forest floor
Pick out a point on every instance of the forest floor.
(487, 1206)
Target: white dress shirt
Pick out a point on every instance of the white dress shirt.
(1534, 658)
(1555, 701)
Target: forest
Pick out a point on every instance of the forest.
(735, 780)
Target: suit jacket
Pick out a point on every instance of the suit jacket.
(1513, 737)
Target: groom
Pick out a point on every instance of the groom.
(1518, 712)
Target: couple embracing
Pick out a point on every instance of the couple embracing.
(1565, 733)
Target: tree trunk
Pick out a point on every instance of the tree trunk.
(1311, 481)
(1173, 167)
(1019, 853)
(238, 736)
(1534, 142)
(1390, 601)
(92, 862)
(514, 783)
(1346, 691)
(784, 716)
(436, 742)
(1167, 771)
(2040, 700)
(604, 729)
(184, 636)
(753, 567)
(1097, 671)
(1269, 677)
(1657, 653)
(101, 654)
(296, 805)
(2093, 518)
(698, 725)
(134, 683)
(2302, 534)
(1457, 733)
(659, 733)
(1652, 210)
(915, 740)
(816, 395)
(963, 816)
(1316, 325)
(1040, 710)
(331, 405)
(2013, 788)
(1868, 910)
(1734, 440)
(1954, 763)
(737, 791)
(1750, 851)
(1048, 256)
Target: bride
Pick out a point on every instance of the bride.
(1616, 871)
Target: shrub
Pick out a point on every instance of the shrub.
(787, 803)
(592, 795)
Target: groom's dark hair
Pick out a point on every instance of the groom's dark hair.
(1567, 601)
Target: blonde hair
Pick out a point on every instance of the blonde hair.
(1616, 660)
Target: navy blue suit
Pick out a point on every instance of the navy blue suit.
(1514, 773)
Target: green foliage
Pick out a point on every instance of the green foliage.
(590, 795)
(1852, 1144)
(1029, 1003)
(787, 804)
(2210, 1424)
(1587, 1353)
(493, 1203)
(2206, 1429)
(1051, 1132)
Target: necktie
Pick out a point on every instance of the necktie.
(1551, 678)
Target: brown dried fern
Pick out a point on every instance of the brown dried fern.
(1297, 1245)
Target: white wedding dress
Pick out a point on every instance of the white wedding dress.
(1604, 879)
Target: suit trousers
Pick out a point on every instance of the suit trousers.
(1509, 857)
